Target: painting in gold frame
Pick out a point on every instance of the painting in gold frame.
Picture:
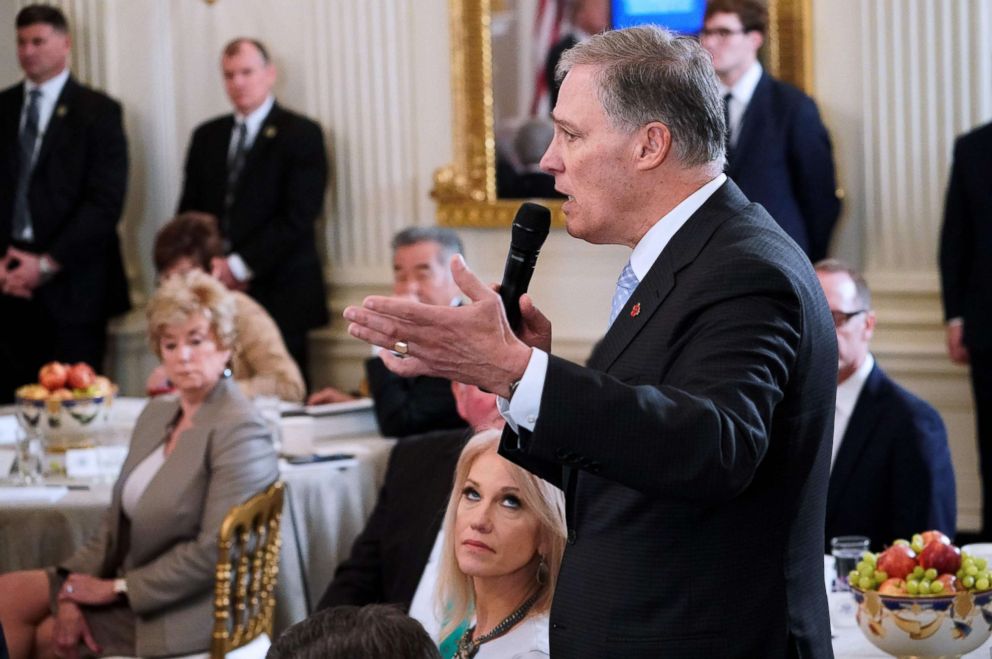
(465, 190)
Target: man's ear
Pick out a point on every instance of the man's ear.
(654, 145)
(757, 39)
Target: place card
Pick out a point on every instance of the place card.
(102, 461)
(6, 462)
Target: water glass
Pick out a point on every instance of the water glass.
(29, 456)
(847, 551)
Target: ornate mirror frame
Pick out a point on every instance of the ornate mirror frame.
(465, 190)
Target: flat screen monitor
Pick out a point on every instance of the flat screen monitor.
(685, 16)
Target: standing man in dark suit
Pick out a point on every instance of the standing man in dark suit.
(966, 283)
(263, 172)
(395, 559)
(891, 473)
(696, 444)
(63, 174)
(779, 150)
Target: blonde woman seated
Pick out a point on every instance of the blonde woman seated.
(261, 363)
(504, 534)
(143, 584)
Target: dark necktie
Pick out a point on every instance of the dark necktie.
(726, 119)
(29, 137)
(235, 164)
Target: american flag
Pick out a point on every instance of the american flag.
(547, 30)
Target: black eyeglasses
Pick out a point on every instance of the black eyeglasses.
(841, 318)
(721, 33)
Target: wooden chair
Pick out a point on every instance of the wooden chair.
(247, 569)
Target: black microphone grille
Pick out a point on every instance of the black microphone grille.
(530, 227)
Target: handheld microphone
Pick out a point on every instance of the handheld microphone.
(530, 229)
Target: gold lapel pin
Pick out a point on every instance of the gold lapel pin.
(270, 131)
(635, 311)
(61, 110)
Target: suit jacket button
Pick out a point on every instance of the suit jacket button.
(571, 536)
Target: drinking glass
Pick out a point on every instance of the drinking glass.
(847, 551)
(29, 452)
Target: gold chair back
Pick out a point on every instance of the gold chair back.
(247, 568)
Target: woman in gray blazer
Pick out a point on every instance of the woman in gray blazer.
(143, 584)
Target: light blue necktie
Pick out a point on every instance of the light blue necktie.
(625, 286)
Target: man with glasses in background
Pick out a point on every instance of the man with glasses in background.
(778, 150)
(890, 469)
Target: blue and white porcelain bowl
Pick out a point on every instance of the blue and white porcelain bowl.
(65, 424)
(935, 626)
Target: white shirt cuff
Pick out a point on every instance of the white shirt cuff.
(522, 411)
(959, 320)
(238, 267)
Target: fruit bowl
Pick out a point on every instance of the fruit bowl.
(65, 424)
(935, 626)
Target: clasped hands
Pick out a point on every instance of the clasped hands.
(472, 344)
(70, 624)
(20, 273)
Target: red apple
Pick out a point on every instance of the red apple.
(934, 535)
(52, 375)
(81, 375)
(897, 561)
(892, 586)
(941, 557)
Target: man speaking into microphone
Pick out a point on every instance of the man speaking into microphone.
(694, 448)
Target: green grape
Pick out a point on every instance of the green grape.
(868, 557)
(866, 570)
(912, 587)
(917, 571)
(853, 576)
(936, 587)
(930, 574)
(917, 543)
(968, 581)
(967, 561)
(924, 587)
(901, 542)
(880, 576)
(982, 584)
(981, 563)
(971, 570)
(960, 573)
(865, 583)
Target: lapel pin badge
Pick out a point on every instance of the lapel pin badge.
(61, 111)
(635, 311)
(270, 131)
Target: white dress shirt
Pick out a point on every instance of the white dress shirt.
(740, 96)
(848, 392)
(522, 411)
(253, 123)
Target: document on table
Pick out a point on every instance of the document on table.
(31, 494)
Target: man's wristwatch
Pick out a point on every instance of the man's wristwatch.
(120, 586)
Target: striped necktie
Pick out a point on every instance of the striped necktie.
(21, 221)
(626, 284)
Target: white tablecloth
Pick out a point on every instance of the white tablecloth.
(327, 505)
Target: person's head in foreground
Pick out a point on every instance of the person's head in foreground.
(189, 241)
(376, 631)
(191, 330)
(504, 534)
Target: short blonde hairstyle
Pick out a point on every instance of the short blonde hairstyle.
(181, 297)
(455, 598)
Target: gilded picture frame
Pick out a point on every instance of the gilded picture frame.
(465, 190)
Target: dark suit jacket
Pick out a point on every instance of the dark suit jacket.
(783, 161)
(966, 239)
(410, 406)
(388, 558)
(279, 197)
(893, 475)
(694, 454)
(76, 196)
